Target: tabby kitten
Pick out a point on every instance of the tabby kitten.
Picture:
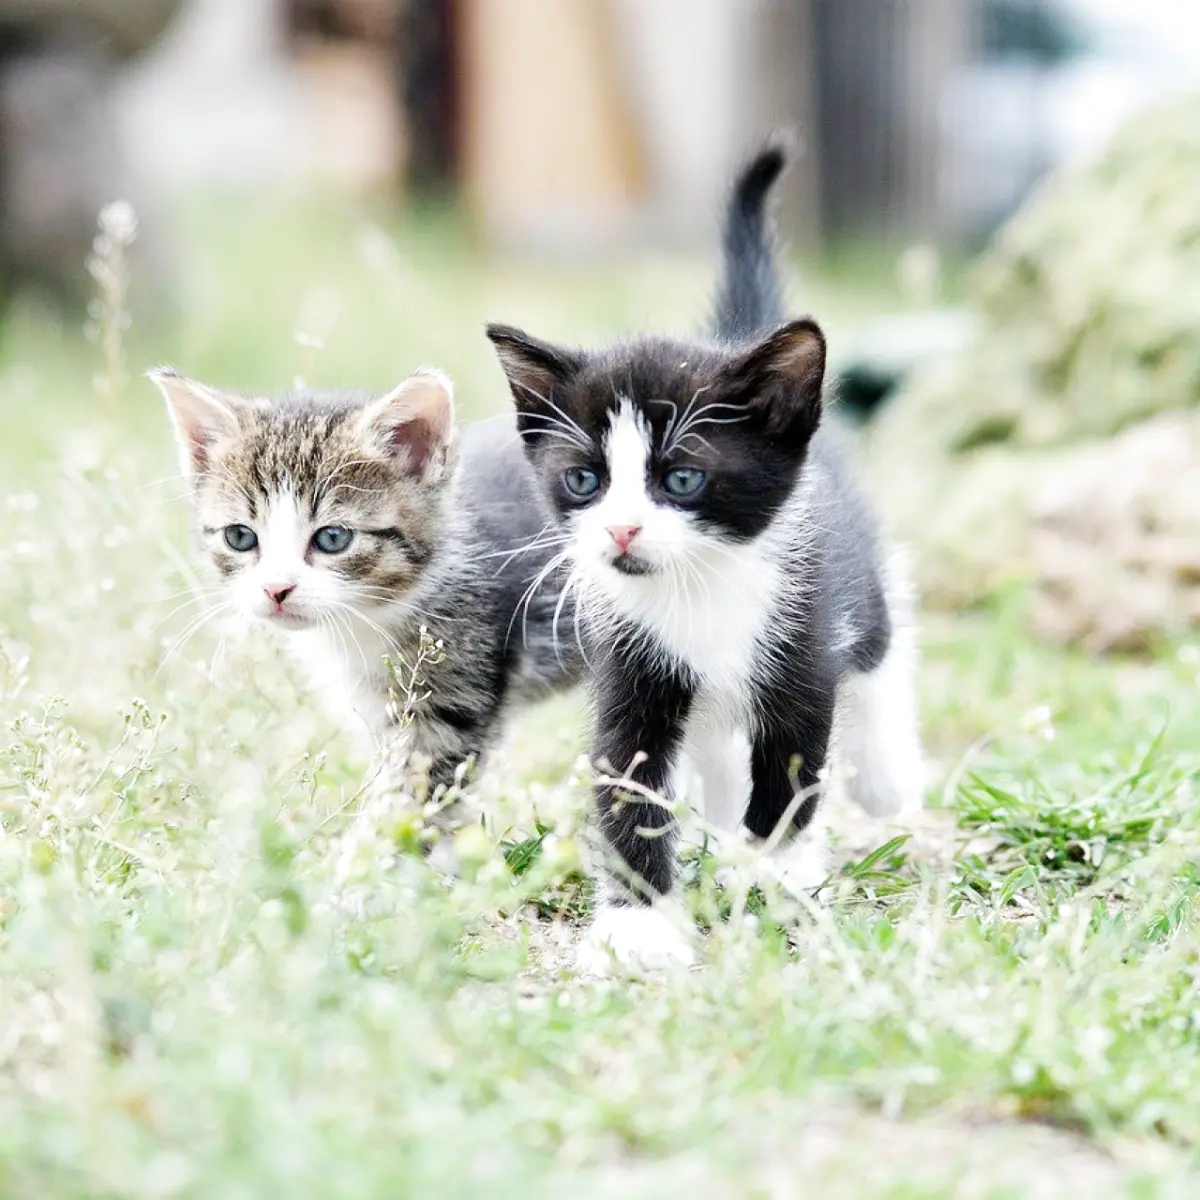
(731, 582)
(351, 522)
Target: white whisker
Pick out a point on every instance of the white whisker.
(565, 421)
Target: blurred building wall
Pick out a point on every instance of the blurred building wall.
(552, 156)
(686, 89)
(653, 104)
(881, 72)
(681, 64)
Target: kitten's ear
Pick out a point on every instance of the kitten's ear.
(533, 367)
(782, 377)
(414, 423)
(201, 416)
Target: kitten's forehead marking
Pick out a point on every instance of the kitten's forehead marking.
(627, 450)
(285, 533)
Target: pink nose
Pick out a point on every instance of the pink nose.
(623, 535)
(279, 592)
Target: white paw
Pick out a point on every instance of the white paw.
(634, 939)
(881, 793)
(800, 865)
(797, 875)
(799, 870)
(443, 857)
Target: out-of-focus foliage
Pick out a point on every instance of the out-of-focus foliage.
(1088, 307)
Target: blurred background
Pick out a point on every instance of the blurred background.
(340, 190)
(571, 128)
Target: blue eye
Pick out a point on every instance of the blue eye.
(240, 538)
(332, 539)
(581, 481)
(683, 482)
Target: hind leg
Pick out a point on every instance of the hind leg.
(878, 741)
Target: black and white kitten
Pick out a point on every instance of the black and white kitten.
(354, 521)
(731, 581)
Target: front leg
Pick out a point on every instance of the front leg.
(423, 759)
(641, 710)
(787, 760)
(448, 704)
(450, 739)
(641, 714)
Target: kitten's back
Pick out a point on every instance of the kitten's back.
(497, 485)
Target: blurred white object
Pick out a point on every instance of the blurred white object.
(1010, 117)
(218, 102)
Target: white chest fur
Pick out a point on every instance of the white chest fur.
(711, 618)
(346, 669)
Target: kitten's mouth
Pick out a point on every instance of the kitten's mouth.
(287, 620)
(626, 564)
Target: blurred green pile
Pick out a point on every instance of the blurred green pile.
(1063, 447)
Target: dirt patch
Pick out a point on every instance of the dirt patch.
(1116, 539)
(933, 835)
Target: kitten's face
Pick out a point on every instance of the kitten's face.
(659, 455)
(315, 507)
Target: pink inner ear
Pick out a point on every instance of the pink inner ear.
(198, 438)
(198, 441)
(415, 441)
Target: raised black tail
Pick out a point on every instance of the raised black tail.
(750, 296)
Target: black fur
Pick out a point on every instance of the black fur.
(768, 460)
(640, 708)
(750, 299)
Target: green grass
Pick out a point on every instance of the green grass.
(219, 978)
